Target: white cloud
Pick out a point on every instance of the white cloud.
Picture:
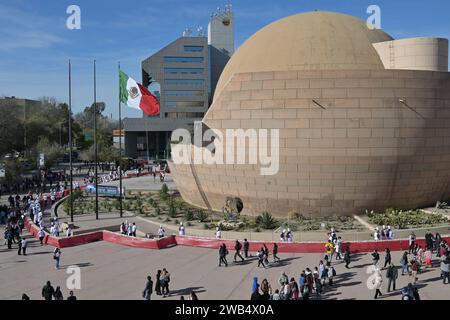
(22, 29)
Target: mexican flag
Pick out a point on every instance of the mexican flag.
(137, 96)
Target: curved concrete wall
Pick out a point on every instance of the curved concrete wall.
(366, 150)
(414, 54)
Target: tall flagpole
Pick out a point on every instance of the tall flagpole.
(120, 150)
(95, 144)
(146, 135)
(70, 142)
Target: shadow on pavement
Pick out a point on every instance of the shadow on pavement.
(186, 291)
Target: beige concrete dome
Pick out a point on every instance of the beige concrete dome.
(313, 40)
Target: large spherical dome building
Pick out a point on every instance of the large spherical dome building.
(364, 120)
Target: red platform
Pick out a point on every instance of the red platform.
(296, 247)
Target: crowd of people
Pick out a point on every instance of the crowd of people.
(310, 283)
(37, 182)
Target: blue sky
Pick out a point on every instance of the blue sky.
(35, 44)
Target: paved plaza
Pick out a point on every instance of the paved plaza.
(110, 271)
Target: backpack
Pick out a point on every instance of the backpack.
(334, 272)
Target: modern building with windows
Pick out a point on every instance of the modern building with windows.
(187, 70)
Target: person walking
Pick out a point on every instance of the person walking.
(329, 247)
(414, 268)
(41, 235)
(412, 242)
(48, 291)
(331, 274)
(338, 248)
(391, 275)
(378, 280)
(237, 248)
(347, 257)
(375, 257)
(19, 250)
(266, 254)
(445, 264)
(404, 263)
(246, 248)
(57, 256)
(148, 290)
(428, 258)
(222, 255)
(261, 258)
(24, 246)
(317, 282)
(275, 253)
(387, 258)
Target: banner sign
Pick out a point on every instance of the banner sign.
(109, 191)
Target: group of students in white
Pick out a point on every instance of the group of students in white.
(128, 229)
(385, 233)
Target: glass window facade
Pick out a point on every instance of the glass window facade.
(193, 82)
(185, 104)
(183, 70)
(184, 93)
(193, 48)
(184, 59)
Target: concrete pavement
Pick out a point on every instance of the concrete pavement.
(110, 271)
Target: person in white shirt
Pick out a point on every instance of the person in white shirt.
(218, 233)
(289, 236)
(129, 231)
(181, 230)
(161, 232)
(68, 231)
(376, 234)
(133, 230)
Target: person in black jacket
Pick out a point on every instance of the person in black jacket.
(48, 291)
(387, 258)
(275, 252)
(375, 257)
(222, 255)
(256, 295)
(347, 257)
(158, 283)
(71, 297)
(238, 247)
(246, 247)
(148, 290)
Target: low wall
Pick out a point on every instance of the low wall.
(295, 247)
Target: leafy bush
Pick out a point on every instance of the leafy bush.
(189, 216)
(164, 192)
(403, 219)
(172, 209)
(266, 221)
(201, 215)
